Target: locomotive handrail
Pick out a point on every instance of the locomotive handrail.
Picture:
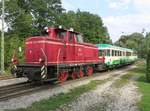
(45, 56)
(58, 61)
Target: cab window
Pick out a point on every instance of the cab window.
(79, 38)
(71, 37)
(61, 35)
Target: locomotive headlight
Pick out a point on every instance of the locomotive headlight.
(41, 60)
(12, 60)
(46, 29)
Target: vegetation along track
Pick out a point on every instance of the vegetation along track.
(6, 77)
(20, 89)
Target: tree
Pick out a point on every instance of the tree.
(148, 57)
(90, 25)
(26, 17)
(133, 41)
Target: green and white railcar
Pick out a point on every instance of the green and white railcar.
(115, 56)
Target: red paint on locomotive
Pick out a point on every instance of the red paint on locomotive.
(60, 46)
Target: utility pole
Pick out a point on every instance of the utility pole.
(2, 38)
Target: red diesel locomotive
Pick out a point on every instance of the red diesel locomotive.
(57, 55)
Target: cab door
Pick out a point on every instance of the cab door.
(79, 48)
(70, 46)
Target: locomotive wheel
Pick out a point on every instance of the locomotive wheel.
(74, 75)
(63, 76)
(89, 71)
(81, 73)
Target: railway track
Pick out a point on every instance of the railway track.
(16, 90)
(20, 89)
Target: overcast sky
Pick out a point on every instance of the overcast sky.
(120, 16)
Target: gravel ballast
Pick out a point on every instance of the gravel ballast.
(106, 98)
(12, 81)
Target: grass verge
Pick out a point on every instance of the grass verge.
(56, 101)
(144, 88)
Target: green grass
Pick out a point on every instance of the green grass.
(144, 88)
(143, 85)
(56, 101)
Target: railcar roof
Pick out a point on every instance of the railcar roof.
(109, 46)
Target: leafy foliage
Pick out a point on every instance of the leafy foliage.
(90, 25)
(148, 57)
(25, 18)
(134, 41)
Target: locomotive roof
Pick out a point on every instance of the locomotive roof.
(109, 46)
(69, 30)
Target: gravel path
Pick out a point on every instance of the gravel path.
(106, 98)
(25, 101)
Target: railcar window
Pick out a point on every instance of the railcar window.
(105, 52)
(121, 53)
(108, 52)
(118, 53)
(124, 54)
(128, 54)
(113, 52)
(101, 52)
